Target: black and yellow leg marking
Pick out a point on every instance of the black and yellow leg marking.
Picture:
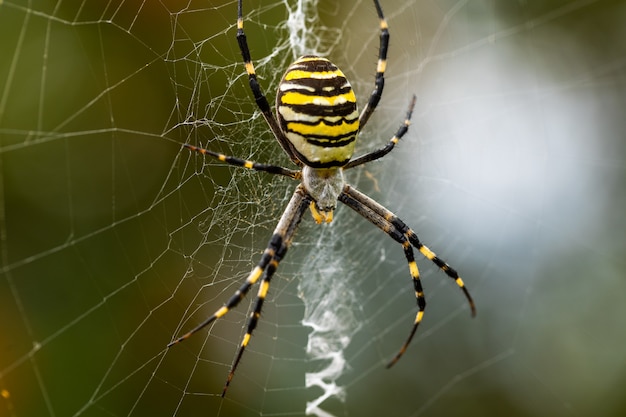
(379, 153)
(419, 295)
(401, 233)
(234, 300)
(231, 160)
(397, 235)
(412, 236)
(276, 249)
(381, 66)
(259, 97)
(429, 254)
(255, 315)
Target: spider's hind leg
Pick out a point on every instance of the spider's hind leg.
(259, 97)
(381, 66)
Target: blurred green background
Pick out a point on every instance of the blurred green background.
(114, 240)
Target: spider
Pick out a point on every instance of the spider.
(317, 124)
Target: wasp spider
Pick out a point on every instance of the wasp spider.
(317, 124)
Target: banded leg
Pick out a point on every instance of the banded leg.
(256, 313)
(412, 236)
(259, 97)
(392, 225)
(231, 160)
(269, 253)
(285, 229)
(379, 153)
(379, 82)
(276, 249)
(399, 237)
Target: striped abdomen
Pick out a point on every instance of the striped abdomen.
(317, 111)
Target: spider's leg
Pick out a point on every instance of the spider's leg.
(379, 82)
(259, 97)
(231, 160)
(283, 234)
(399, 237)
(379, 153)
(254, 316)
(276, 249)
(412, 236)
(234, 300)
(394, 227)
(429, 254)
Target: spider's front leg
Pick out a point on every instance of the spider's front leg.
(381, 222)
(401, 233)
(273, 254)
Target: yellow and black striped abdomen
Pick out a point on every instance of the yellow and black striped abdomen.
(317, 111)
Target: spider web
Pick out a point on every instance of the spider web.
(114, 240)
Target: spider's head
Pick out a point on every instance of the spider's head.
(321, 216)
(324, 185)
